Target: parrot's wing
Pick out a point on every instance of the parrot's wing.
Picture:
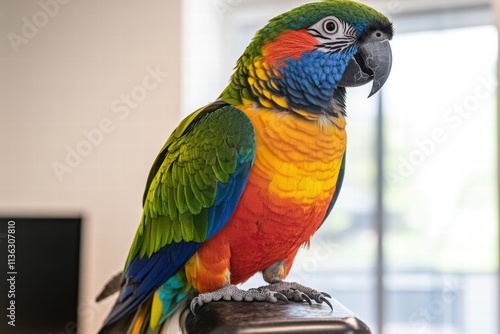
(192, 191)
(338, 185)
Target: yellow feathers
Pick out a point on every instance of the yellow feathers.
(308, 152)
(139, 319)
(156, 310)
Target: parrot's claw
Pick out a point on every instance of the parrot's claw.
(327, 302)
(279, 296)
(326, 294)
(299, 293)
(231, 292)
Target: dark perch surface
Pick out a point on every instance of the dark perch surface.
(260, 317)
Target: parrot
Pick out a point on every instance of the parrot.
(244, 182)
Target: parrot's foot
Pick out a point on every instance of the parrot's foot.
(297, 292)
(231, 292)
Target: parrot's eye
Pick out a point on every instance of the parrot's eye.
(330, 26)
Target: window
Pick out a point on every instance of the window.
(440, 169)
(411, 245)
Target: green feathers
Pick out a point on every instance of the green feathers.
(201, 154)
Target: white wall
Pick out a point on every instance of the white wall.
(66, 67)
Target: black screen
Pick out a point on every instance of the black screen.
(39, 285)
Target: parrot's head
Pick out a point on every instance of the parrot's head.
(302, 60)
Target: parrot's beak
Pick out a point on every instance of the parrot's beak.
(373, 61)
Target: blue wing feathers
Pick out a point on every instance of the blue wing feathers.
(167, 262)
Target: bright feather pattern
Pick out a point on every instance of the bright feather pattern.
(286, 198)
(185, 206)
(245, 181)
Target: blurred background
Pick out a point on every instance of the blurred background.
(90, 90)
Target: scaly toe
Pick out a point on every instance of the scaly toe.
(299, 293)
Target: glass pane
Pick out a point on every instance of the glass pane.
(440, 173)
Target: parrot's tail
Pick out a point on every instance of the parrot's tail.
(140, 321)
(111, 287)
(158, 313)
(173, 323)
